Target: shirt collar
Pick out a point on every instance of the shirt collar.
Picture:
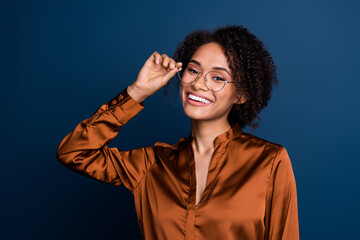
(232, 133)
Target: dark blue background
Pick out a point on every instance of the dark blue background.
(60, 60)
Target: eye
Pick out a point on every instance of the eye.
(218, 78)
(192, 70)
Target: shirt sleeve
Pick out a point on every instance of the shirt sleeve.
(281, 217)
(85, 149)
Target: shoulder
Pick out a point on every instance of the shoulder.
(257, 142)
(276, 153)
(163, 147)
(251, 143)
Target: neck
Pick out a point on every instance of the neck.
(205, 132)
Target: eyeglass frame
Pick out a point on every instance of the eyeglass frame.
(197, 77)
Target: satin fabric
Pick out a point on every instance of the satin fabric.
(250, 190)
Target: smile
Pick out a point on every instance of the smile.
(196, 100)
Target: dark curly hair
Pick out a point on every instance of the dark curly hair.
(251, 64)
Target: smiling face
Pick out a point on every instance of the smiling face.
(198, 102)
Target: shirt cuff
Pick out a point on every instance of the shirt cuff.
(124, 107)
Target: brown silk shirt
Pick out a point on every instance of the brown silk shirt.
(250, 190)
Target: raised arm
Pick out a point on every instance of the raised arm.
(281, 217)
(85, 149)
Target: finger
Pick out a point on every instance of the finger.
(170, 75)
(172, 63)
(157, 57)
(178, 64)
(166, 60)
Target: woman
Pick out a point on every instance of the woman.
(219, 182)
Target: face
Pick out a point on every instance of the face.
(208, 105)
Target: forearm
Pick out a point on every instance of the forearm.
(90, 136)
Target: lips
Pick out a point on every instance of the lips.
(197, 100)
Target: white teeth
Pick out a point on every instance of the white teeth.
(199, 99)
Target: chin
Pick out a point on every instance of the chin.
(200, 114)
(193, 116)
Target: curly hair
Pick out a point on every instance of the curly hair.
(251, 64)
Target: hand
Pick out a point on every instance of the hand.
(156, 73)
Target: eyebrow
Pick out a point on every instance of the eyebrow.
(216, 68)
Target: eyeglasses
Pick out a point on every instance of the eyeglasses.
(215, 81)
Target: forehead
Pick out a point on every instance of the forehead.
(211, 55)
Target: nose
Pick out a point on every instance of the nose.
(199, 83)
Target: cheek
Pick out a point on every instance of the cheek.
(227, 98)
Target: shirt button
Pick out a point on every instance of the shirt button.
(121, 97)
(114, 101)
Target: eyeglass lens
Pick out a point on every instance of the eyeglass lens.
(214, 80)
